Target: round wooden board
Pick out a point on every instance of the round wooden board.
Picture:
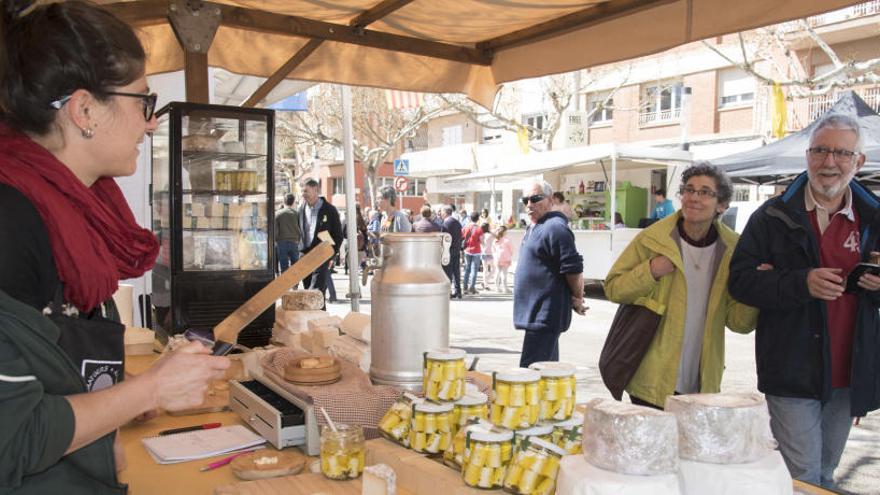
(326, 369)
(289, 462)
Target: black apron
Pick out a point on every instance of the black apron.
(94, 342)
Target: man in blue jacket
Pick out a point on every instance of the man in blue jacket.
(548, 282)
(816, 344)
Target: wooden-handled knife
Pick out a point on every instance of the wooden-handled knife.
(226, 332)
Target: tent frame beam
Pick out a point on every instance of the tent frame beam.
(375, 13)
(595, 14)
(151, 12)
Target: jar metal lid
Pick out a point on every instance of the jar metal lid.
(431, 407)
(446, 354)
(518, 375)
(544, 444)
(473, 399)
(481, 433)
(553, 369)
(541, 429)
(577, 419)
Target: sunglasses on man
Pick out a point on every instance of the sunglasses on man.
(148, 100)
(535, 198)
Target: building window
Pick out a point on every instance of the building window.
(451, 135)
(601, 110)
(661, 102)
(416, 186)
(535, 120)
(492, 134)
(741, 192)
(338, 184)
(736, 87)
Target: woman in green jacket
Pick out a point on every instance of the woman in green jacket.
(678, 267)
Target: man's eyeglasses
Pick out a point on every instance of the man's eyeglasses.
(535, 198)
(148, 100)
(701, 193)
(820, 153)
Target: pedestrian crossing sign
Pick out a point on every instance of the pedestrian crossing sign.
(401, 167)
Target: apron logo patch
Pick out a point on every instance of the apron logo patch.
(100, 374)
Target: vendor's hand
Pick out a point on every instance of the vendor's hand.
(578, 306)
(764, 267)
(869, 282)
(825, 283)
(660, 266)
(182, 377)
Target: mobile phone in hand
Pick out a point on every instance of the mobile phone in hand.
(852, 280)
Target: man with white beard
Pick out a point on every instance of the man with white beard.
(816, 346)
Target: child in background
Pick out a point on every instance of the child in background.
(502, 254)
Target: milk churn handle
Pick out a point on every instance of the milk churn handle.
(444, 249)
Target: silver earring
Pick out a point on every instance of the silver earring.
(88, 132)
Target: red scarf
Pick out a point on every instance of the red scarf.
(95, 238)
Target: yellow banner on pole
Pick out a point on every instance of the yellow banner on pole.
(780, 114)
(522, 137)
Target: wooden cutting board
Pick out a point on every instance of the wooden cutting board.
(301, 484)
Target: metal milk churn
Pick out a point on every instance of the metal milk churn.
(410, 306)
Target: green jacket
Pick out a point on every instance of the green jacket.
(630, 281)
(37, 421)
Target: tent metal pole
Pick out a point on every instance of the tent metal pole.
(354, 290)
(612, 188)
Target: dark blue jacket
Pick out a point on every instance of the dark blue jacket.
(792, 345)
(453, 227)
(541, 297)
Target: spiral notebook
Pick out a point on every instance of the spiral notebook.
(182, 447)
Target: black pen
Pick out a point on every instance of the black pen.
(185, 429)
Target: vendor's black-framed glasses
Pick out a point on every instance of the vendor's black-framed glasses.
(148, 100)
(535, 198)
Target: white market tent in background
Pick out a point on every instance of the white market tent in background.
(461, 46)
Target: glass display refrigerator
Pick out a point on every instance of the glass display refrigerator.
(212, 208)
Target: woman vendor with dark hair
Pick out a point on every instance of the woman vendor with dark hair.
(74, 107)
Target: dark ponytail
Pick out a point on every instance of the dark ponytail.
(51, 50)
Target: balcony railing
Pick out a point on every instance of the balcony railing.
(853, 12)
(660, 116)
(802, 112)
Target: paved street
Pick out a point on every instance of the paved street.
(482, 325)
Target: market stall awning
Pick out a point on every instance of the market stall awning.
(466, 46)
(519, 166)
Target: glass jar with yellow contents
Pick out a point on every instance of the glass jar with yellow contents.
(452, 456)
(544, 431)
(473, 405)
(534, 468)
(568, 434)
(487, 452)
(557, 388)
(395, 423)
(517, 399)
(443, 375)
(431, 427)
(342, 452)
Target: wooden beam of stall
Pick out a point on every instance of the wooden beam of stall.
(601, 12)
(195, 73)
(289, 25)
(371, 15)
(228, 329)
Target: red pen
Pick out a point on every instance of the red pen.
(185, 429)
(226, 460)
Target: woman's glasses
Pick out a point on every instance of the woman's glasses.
(701, 193)
(533, 199)
(148, 100)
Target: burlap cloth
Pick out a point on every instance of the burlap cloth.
(352, 400)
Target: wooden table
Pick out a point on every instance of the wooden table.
(146, 477)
